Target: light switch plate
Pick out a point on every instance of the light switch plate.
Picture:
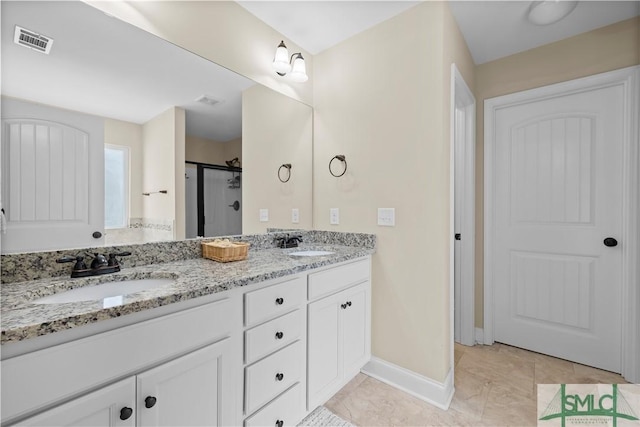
(295, 215)
(387, 217)
(334, 216)
(264, 215)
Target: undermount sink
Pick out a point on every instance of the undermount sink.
(310, 253)
(111, 292)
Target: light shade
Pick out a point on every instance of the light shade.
(281, 60)
(299, 70)
(545, 12)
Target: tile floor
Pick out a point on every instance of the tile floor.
(495, 386)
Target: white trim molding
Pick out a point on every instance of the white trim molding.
(479, 336)
(433, 392)
(629, 79)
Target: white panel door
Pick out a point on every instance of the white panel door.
(558, 196)
(113, 405)
(187, 391)
(52, 177)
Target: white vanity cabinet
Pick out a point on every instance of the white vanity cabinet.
(338, 328)
(179, 369)
(275, 353)
(182, 392)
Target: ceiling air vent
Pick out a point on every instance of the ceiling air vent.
(32, 40)
(208, 100)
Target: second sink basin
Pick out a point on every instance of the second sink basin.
(310, 253)
(110, 292)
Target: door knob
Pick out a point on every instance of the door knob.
(150, 402)
(610, 242)
(125, 413)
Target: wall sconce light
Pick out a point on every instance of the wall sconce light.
(295, 65)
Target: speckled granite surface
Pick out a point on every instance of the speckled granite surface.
(194, 277)
(41, 265)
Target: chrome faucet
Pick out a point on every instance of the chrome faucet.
(99, 265)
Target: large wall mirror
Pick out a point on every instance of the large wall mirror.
(111, 135)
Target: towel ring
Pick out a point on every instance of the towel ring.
(343, 159)
(287, 166)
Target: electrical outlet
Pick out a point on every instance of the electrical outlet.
(334, 216)
(264, 215)
(387, 217)
(295, 215)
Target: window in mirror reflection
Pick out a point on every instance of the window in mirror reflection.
(116, 184)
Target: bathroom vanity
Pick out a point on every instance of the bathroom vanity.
(257, 342)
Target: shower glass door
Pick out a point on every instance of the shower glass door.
(213, 200)
(222, 194)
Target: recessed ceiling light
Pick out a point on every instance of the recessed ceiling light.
(545, 12)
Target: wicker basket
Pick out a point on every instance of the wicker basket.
(236, 252)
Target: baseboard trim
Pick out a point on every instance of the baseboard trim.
(479, 336)
(433, 392)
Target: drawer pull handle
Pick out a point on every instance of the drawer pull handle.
(343, 306)
(279, 335)
(279, 423)
(279, 376)
(150, 401)
(125, 413)
(349, 303)
(279, 301)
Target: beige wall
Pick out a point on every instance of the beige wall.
(275, 130)
(118, 132)
(163, 168)
(212, 152)
(605, 49)
(389, 116)
(221, 31)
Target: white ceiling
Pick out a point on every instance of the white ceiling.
(103, 66)
(495, 29)
(492, 29)
(318, 25)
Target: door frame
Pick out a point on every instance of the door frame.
(462, 162)
(629, 79)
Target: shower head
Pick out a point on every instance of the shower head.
(233, 162)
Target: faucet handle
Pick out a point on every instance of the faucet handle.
(113, 261)
(78, 259)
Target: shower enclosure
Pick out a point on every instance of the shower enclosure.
(212, 200)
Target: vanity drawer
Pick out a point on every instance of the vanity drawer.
(272, 375)
(286, 408)
(274, 334)
(273, 301)
(333, 279)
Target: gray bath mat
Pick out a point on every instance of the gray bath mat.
(322, 417)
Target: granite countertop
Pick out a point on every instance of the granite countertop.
(21, 319)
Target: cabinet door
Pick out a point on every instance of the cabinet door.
(354, 328)
(100, 408)
(323, 362)
(187, 391)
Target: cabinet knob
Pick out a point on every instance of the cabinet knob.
(279, 376)
(279, 335)
(343, 306)
(348, 303)
(150, 401)
(125, 413)
(279, 301)
(279, 423)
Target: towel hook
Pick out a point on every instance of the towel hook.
(286, 166)
(343, 159)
